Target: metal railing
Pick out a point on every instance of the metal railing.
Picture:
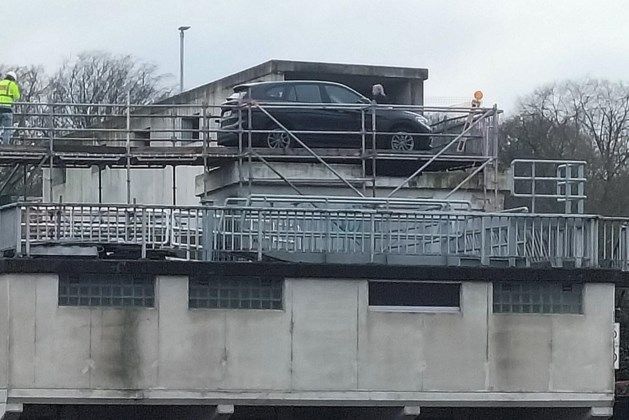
(299, 234)
(190, 134)
(124, 125)
(174, 230)
(558, 180)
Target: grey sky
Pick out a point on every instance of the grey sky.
(506, 48)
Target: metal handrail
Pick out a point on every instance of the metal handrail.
(217, 233)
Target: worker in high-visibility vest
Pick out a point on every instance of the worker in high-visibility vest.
(9, 93)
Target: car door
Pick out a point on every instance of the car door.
(308, 114)
(345, 115)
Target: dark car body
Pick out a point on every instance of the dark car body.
(320, 114)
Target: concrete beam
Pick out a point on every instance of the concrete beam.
(409, 412)
(10, 411)
(221, 412)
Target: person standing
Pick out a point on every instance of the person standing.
(9, 93)
(378, 95)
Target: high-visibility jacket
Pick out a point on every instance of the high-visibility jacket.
(9, 93)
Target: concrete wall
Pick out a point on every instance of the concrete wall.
(315, 179)
(148, 186)
(325, 347)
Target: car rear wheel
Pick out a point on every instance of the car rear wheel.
(278, 139)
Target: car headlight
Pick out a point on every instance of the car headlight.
(227, 113)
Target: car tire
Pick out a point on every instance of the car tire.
(402, 141)
(278, 139)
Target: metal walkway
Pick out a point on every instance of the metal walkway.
(78, 156)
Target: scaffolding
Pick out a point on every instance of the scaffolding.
(130, 136)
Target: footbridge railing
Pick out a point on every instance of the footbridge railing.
(352, 235)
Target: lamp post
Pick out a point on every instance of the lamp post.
(182, 29)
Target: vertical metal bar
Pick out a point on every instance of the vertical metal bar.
(175, 185)
(373, 150)
(372, 232)
(581, 188)
(484, 258)
(532, 187)
(206, 144)
(51, 150)
(363, 145)
(128, 147)
(240, 145)
(144, 232)
(593, 224)
(249, 147)
(100, 184)
(568, 190)
(495, 154)
(27, 245)
(260, 221)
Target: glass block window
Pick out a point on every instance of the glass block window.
(538, 297)
(115, 290)
(235, 292)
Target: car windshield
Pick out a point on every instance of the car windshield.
(341, 95)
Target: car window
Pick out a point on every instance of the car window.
(340, 95)
(274, 92)
(290, 94)
(308, 93)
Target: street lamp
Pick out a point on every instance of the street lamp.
(181, 31)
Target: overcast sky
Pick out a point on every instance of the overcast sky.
(506, 48)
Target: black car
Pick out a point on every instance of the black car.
(317, 109)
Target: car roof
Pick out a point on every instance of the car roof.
(284, 82)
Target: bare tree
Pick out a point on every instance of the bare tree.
(585, 120)
(102, 78)
(91, 78)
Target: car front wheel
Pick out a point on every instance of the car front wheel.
(278, 139)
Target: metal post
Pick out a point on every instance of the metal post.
(363, 146)
(484, 256)
(206, 144)
(182, 29)
(27, 245)
(174, 185)
(51, 122)
(24, 181)
(373, 149)
(249, 148)
(128, 147)
(144, 233)
(580, 188)
(100, 185)
(495, 123)
(260, 219)
(532, 187)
